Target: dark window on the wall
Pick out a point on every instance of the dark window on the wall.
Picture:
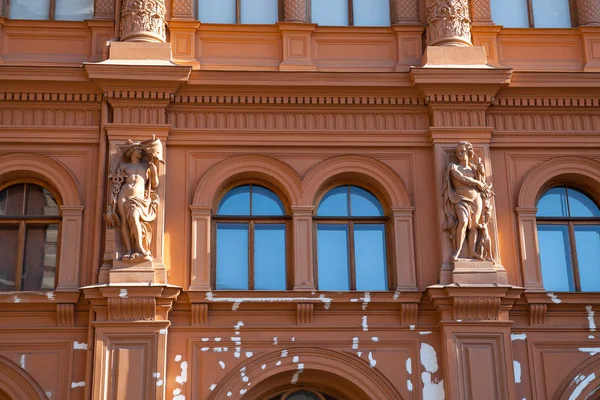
(64, 10)
(251, 240)
(568, 224)
(350, 12)
(29, 232)
(351, 241)
(302, 394)
(240, 11)
(532, 13)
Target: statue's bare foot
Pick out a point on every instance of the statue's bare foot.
(126, 257)
(476, 256)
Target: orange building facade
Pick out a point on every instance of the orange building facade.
(288, 210)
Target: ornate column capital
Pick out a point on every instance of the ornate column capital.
(448, 23)
(143, 21)
(588, 12)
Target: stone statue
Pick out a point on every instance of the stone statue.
(467, 204)
(133, 203)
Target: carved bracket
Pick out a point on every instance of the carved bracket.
(408, 313)
(537, 314)
(65, 314)
(304, 313)
(199, 314)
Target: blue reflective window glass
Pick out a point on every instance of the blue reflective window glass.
(236, 202)
(369, 257)
(269, 257)
(510, 13)
(259, 11)
(329, 12)
(219, 12)
(587, 242)
(30, 9)
(265, 202)
(553, 203)
(334, 203)
(371, 12)
(581, 206)
(74, 10)
(364, 204)
(332, 257)
(232, 256)
(555, 257)
(551, 13)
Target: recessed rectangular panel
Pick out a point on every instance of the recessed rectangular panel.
(332, 250)
(370, 259)
(269, 257)
(232, 256)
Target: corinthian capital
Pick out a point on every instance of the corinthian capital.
(143, 21)
(448, 23)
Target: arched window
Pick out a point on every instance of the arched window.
(351, 250)
(63, 10)
(350, 12)
(29, 232)
(568, 224)
(532, 13)
(239, 11)
(251, 242)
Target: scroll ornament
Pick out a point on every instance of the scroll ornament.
(448, 23)
(468, 206)
(133, 201)
(143, 21)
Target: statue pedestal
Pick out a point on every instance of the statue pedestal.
(453, 56)
(476, 272)
(129, 272)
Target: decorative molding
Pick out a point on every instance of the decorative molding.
(453, 98)
(140, 94)
(537, 314)
(17, 383)
(409, 100)
(139, 115)
(65, 314)
(448, 23)
(544, 122)
(296, 11)
(199, 314)
(143, 21)
(46, 117)
(404, 12)
(455, 117)
(409, 313)
(183, 9)
(546, 101)
(476, 308)
(304, 313)
(588, 12)
(131, 309)
(299, 121)
(52, 97)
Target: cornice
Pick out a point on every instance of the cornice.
(555, 79)
(42, 73)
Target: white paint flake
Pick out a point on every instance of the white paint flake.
(409, 385)
(159, 383)
(554, 298)
(243, 391)
(77, 384)
(590, 317)
(591, 337)
(23, 362)
(50, 295)
(249, 354)
(235, 305)
(176, 392)
(213, 387)
(429, 358)
(79, 346)
(432, 390)
(592, 351)
(217, 339)
(366, 300)
(295, 359)
(297, 374)
(425, 333)
(123, 293)
(239, 300)
(582, 384)
(49, 394)
(459, 320)
(375, 339)
(278, 363)
(411, 327)
(156, 374)
(238, 326)
(178, 358)
(409, 365)
(16, 299)
(181, 379)
(163, 331)
(293, 339)
(218, 349)
(284, 353)
(275, 340)
(205, 349)
(222, 364)
(180, 397)
(365, 325)
(205, 339)
(518, 336)
(517, 370)
(229, 394)
(263, 366)
(359, 353)
(355, 343)
(372, 361)
(396, 295)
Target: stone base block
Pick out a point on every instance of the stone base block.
(136, 51)
(123, 272)
(454, 57)
(474, 272)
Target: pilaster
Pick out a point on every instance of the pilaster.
(201, 273)
(304, 277)
(297, 47)
(406, 270)
(591, 47)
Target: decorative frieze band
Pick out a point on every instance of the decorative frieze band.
(37, 96)
(131, 309)
(16, 116)
(301, 100)
(512, 122)
(547, 102)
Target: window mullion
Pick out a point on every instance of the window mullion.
(574, 260)
(351, 12)
(238, 13)
(51, 12)
(251, 255)
(352, 263)
(20, 255)
(530, 13)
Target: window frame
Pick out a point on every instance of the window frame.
(350, 13)
(238, 12)
(285, 219)
(51, 14)
(572, 12)
(35, 220)
(570, 222)
(350, 221)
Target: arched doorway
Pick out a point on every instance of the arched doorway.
(17, 384)
(305, 393)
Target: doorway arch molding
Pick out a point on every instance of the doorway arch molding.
(582, 381)
(348, 367)
(17, 383)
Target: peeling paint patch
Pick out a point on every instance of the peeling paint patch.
(409, 365)
(295, 359)
(238, 325)
(176, 392)
(217, 339)
(50, 295)
(554, 298)
(205, 349)
(222, 364)
(23, 362)
(123, 293)
(249, 354)
(275, 340)
(429, 358)
(365, 325)
(180, 397)
(178, 358)
(591, 337)
(49, 394)
(243, 391)
(79, 346)
(366, 300)
(235, 305)
(459, 320)
(396, 295)
(425, 333)
(411, 327)
(359, 353)
(518, 336)
(355, 343)
(409, 385)
(181, 379)
(517, 370)
(229, 394)
(591, 350)
(432, 390)
(16, 299)
(163, 331)
(159, 383)
(278, 363)
(237, 301)
(375, 339)
(372, 361)
(590, 317)
(218, 349)
(204, 339)
(293, 339)
(213, 387)
(297, 374)
(263, 366)
(77, 384)
(284, 353)
(582, 382)
(156, 374)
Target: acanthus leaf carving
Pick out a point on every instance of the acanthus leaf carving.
(131, 309)
(467, 308)
(143, 21)
(448, 23)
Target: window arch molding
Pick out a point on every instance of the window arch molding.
(351, 369)
(57, 179)
(578, 172)
(17, 383)
(385, 184)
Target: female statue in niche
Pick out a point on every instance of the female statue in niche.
(133, 203)
(467, 204)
